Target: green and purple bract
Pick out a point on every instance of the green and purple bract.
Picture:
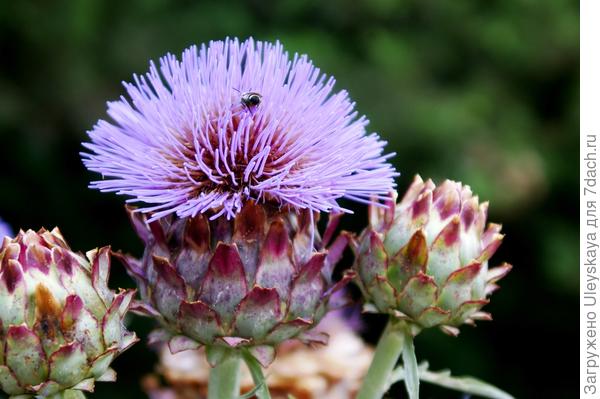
(251, 282)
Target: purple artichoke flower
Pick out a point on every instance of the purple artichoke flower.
(5, 230)
(232, 122)
(235, 149)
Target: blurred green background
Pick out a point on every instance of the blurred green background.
(485, 92)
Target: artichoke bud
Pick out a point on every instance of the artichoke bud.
(425, 258)
(60, 324)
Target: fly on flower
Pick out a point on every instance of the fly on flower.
(251, 100)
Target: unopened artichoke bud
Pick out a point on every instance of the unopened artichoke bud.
(248, 282)
(425, 259)
(61, 326)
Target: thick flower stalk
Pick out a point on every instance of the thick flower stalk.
(232, 122)
(425, 259)
(252, 282)
(60, 324)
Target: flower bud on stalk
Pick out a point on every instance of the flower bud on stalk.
(424, 261)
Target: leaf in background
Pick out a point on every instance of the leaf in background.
(409, 359)
(261, 389)
(444, 379)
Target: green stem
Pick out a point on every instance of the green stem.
(261, 389)
(411, 368)
(224, 381)
(386, 356)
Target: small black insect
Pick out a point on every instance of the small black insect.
(251, 99)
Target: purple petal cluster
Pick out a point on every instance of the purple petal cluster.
(5, 229)
(188, 139)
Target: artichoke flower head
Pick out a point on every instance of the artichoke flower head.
(233, 151)
(425, 258)
(60, 324)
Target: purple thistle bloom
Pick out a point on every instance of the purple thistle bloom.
(5, 230)
(232, 122)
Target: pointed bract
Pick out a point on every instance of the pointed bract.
(372, 258)
(419, 293)
(25, 355)
(258, 312)
(68, 365)
(198, 321)
(169, 288)
(276, 264)
(225, 283)
(308, 288)
(180, 343)
(409, 261)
